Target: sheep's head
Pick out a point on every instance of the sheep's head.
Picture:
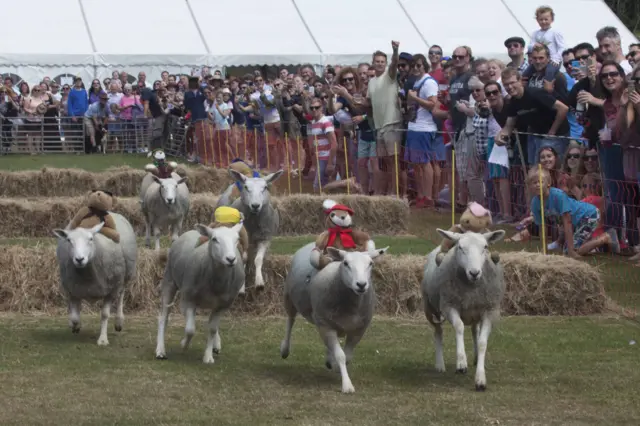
(255, 190)
(472, 250)
(169, 188)
(355, 268)
(223, 242)
(81, 243)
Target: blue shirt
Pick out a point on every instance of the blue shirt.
(77, 103)
(559, 203)
(97, 110)
(194, 102)
(575, 129)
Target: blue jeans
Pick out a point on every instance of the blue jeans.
(536, 143)
(322, 166)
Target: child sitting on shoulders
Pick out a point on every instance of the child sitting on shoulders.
(554, 42)
(579, 219)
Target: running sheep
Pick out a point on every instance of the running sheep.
(261, 219)
(165, 204)
(94, 267)
(208, 276)
(467, 288)
(339, 300)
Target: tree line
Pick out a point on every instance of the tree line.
(628, 11)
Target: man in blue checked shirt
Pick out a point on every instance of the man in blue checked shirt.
(95, 120)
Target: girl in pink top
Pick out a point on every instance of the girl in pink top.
(127, 103)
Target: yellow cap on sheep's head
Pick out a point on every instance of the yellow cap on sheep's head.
(225, 214)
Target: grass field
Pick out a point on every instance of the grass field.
(92, 163)
(547, 371)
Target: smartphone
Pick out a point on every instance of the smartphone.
(631, 86)
(575, 66)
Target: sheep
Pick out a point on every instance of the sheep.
(262, 220)
(466, 289)
(147, 180)
(94, 267)
(165, 203)
(208, 276)
(339, 300)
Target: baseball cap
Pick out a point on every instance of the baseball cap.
(406, 56)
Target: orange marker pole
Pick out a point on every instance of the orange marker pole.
(318, 165)
(299, 165)
(256, 163)
(286, 147)
(346, 164)
(543, 228)
(266, 147)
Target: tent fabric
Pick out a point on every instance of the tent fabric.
(90, 37)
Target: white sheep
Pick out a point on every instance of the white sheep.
(261, 219)
(94, 267)
(165, 204)
(466, 289)
(208, 276)
(339, 300)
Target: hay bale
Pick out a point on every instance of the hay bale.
(300, 214)
(122, 181)
(536, 284)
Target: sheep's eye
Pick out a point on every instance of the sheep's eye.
(214, 239)
(486, 246)
(346, 263)
(371, 264)
(246, 187)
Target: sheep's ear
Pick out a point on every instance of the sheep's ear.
(182, 180)
(237, 176)
(273, 176)
(237, 227)
(204, 230)
(156, 179)
(336, 254)
(453, 236)
(97, 228)
(495, 236)
(378, 252)
(60, 233)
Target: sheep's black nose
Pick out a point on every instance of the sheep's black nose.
(255, 206)
(79, 259)
(474, 273)
(361, 285)
(230, 259)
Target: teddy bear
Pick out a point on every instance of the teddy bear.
(95, 211)
(339, 234)
(160, 167)
(229, 217)
(475, 219)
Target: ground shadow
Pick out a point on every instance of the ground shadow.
(304, 376)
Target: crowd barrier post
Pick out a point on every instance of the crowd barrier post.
(244, 153)
(286, 147)
(299, 164)
(256, 163)
(204, 143)
(346, 165)
(543, 229)
(397, 171)
(227, 146)
(318, 164)
(453, 187)
(266, 147)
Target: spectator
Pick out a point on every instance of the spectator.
(142, 80)
(573, 168)
(495, 74)
(323, 140)
(540, 78)
(153, 109)
(265, 106)
(546, 115)
(95, 121)
(94, 91)
(611, 47)
(515, 49)
(32, 126)
(421, 146)
(382, 95)
(481, 69)
(128, 102)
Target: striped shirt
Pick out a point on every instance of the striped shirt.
(320, 130)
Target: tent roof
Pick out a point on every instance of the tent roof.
(277, 32)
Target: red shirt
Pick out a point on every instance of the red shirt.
(597, 201)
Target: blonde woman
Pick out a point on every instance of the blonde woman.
(33, 109)
(495, 72)
(574, 170)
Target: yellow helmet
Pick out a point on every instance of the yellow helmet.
(227, 215)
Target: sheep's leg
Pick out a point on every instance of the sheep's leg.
(105, 313)
(169, 291)
(261, 251)
(350, 343)
(437, 338)
(458, 326)
(156, 235)
(285, 346)
(190, 327)
(74, 315)
(213, 342)
(119, 311)
(330, 338)
(483, 337)
(475, 328)
(176, 229)
(147, 238)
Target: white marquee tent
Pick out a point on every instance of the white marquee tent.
(92, 37)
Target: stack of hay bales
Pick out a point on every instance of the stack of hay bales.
(35, 202)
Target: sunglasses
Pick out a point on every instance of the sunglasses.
(435, 53)
(313, 108)
(492, 93)
(417, 65)
(513, 45)
(612, 74)
(567, 64)
(458, 56)
(590, 157)
(324, 98)
(575, 156)
(348, 79)
(403, 65)
(582, 58)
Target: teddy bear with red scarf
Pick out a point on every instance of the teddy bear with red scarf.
(340, 234)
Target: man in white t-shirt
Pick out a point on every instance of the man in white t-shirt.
(382, 95)
(420, 150)
(265, 100)
(611, 47)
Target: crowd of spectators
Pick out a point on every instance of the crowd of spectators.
(395, 125)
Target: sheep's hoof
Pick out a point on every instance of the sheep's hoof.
(162, 357)
(328, 365)
(216, 351)
(481, 388)
(75, 330)
(118, 327)
(461, 370)
(260, 288)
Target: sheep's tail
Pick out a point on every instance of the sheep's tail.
(163, 257)
(225, 198)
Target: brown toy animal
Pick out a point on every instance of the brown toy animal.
(97, 210)
(340, 234)
(230, 217)
(475, 219)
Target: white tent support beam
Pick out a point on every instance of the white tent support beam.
(414, 24)
(195, 22)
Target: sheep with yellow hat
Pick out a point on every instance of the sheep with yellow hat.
(229, 217)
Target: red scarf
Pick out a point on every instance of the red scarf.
(345, 237)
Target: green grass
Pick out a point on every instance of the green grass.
(540, 371)
(92, 163)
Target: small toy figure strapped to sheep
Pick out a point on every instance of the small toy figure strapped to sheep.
(96, 211)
